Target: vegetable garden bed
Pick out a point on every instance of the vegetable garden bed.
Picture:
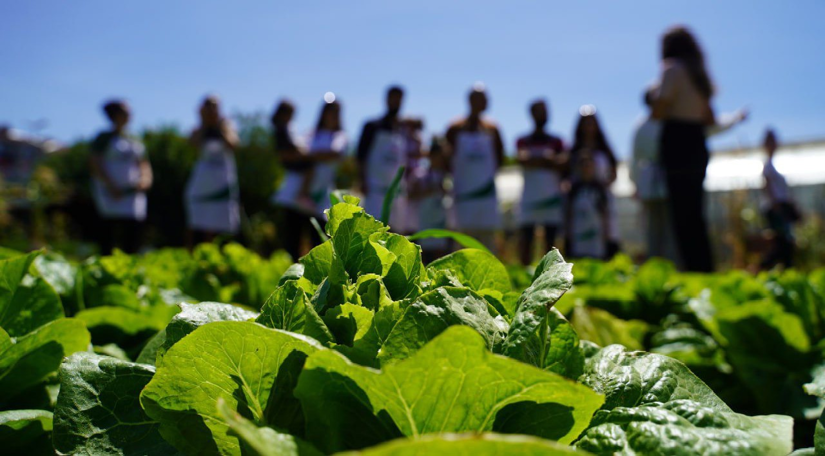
(360, 348)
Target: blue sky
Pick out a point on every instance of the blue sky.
(60, 60)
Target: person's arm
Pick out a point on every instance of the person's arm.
(450, 143)
(603, 210)
(568, 217)
(337, 148)
(146, 176)
(228, 134)
(362, 153)
(664, 95)
(526, 159)
(196, 137)
(98, 168)
(725, 122)
(498, 143)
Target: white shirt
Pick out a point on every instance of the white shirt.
(776, 186)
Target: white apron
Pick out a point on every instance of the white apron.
(323, 174)
(290, 188)
(542, 202)
(587, 236)
(212, 195)
(474, 182)
(387, 154)
(121, 161)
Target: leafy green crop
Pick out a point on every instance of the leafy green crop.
(360, 348)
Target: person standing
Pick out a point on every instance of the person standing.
(682, 102)
(542, 158)
(383, 149)
(212, 194)
(121, 176)
(647, 174)
(476, 154)
(327, 145)
(295, 227)
(587, 212)
(589, 138)
(780, 210)
(426, 193)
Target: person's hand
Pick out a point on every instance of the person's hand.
(144, 185)
(742, 114)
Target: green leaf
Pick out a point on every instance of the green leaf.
(487, 444)
(352, 246)
(114, 295)
(817, 388)
(34, 304)
(98, 410)
(349, 322)
(118, 325)
(25, 432)
(392, 193)
(475, 269)
(765, 345)
(406, 269)
(556, 347)
(191, 317)
(603, 329)
(317, 263)
(12, 271)
(453, 384)
(288, 308)
(655, 405)
(28, 360)
(533, 311)
(342, 211)
(241, 362)
(263, 441)
(58, 272)
(432, 313)
(464, 240)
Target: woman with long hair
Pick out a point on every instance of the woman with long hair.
(682, 102)
(327, 145)
(589, 139)
(295, 225)
(212, 194)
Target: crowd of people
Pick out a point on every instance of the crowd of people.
(449, 181)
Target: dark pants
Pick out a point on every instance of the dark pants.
(121, 233)
(684, 156)
(295, 227)
(527, 239)
(780, 220)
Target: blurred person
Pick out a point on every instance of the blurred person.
(589, 138)
(476, 153)
(295, 227)
(780, 209)
(408, 220)
(212, 194)
(587, 219)
(427, 196)
(682, 102)
(385, 146)
(327, 145)
(542, 158)
(648, 176)
(121, 176)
